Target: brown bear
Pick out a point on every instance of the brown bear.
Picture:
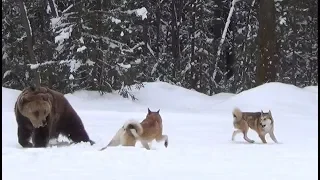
(44, 114)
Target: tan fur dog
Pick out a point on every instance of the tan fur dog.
(260, 122)
(148, 130)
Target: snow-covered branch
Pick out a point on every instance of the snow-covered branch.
(222, 40)
(226, 27)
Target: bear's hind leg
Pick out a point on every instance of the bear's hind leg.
(75, 131)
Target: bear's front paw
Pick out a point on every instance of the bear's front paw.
(26, 144)
(92, 142)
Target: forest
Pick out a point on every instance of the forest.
(210, 46)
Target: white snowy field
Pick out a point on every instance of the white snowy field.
(199, 129)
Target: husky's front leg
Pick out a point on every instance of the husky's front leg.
(273, 137)
(145, 144)
(163, 138)
(263, 138)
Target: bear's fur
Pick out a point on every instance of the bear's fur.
(43, 114)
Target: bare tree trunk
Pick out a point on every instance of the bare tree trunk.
(54, 13)
(145, 30)
(201, 74)
(158, 20)
(175, 17)
(102, 54)
(222, 69)
(267, 64)
(293, 46)
(48, 46)
(193, 63)
(27, 27)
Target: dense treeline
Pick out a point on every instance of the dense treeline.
(113, 44)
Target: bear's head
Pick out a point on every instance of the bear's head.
(36, 105)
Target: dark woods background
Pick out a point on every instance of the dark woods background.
(106, 45)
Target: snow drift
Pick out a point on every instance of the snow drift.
(199, 129)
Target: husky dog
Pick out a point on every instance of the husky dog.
(148, 130)
(260, 122)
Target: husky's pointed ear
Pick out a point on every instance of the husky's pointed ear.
(261, 112)
(149, 111)
(158, 111)
(269, 112)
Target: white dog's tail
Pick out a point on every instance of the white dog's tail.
(237, 114)
(133, 127)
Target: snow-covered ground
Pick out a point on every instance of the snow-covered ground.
(199, 129)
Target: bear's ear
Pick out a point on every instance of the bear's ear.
(22, 101)
(32, 88)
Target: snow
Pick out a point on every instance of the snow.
(34, 66)
(283, 21)
(74, 65)
(199, 129)
(48, 10)
(155, 66)
(71, 77)
(90, 63)
(82, 48)
(64, 34)
(125, 66)
(137, 61)
(55, 22)
(29, 26)
(150, 49)
(115, 20)
(37, 65)
(6, 74)
(81, 40)
(142, 12)
(67, 9)
(312, 89)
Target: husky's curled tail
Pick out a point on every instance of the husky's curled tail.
(134, 128)
(237, 115)
(130, 128)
